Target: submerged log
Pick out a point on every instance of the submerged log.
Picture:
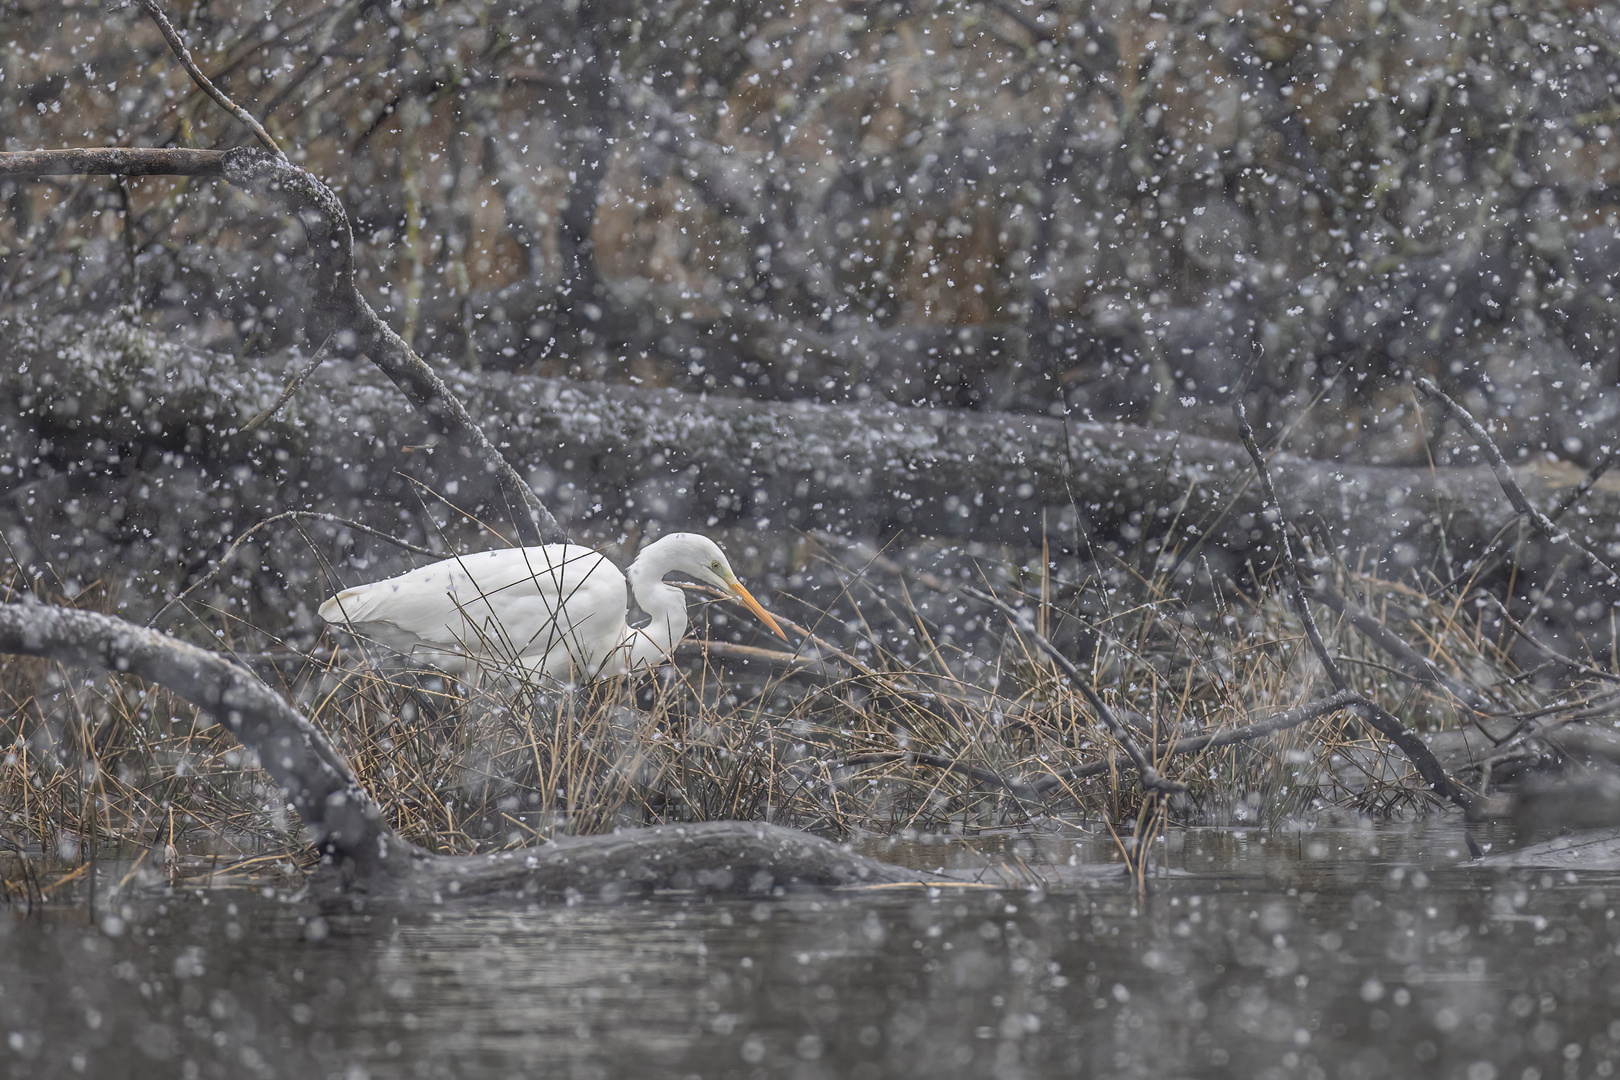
(737, 858)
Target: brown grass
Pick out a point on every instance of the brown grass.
(939, 741)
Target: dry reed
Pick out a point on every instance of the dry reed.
(940, 738)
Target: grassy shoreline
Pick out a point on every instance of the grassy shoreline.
(849, 740)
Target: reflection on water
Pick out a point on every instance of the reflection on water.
(1336, 954)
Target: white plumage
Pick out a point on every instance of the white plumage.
(557, 610)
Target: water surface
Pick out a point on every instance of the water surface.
(1335, 953)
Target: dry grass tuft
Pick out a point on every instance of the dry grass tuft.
(857, 736)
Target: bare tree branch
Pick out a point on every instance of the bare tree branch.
(1416, 751)
(344, 822)
(176, 43)
(339, 307)
(113, 161)
(1507, 536)
(1510, 486)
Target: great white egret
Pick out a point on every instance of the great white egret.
(557, 610)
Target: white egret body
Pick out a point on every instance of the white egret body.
(557, 610)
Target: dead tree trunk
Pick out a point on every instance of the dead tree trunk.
(947, 472)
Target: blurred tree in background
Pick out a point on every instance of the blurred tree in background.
(1107, 206)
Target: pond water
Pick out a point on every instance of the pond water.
(1332, 953)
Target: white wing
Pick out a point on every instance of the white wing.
(559, 609)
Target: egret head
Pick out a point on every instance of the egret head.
(702, 559)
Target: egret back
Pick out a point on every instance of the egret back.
(558, 609)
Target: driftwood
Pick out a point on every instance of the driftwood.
(363, 856)
(1596, 850)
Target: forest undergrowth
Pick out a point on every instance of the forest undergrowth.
(850, 735)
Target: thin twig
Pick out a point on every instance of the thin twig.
(1149, 776)
(290, 515)
(1416, 751)
(178, 45)
(1271, 511)
(293, 384)
(1504, 476)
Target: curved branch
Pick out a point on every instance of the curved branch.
(343, 821)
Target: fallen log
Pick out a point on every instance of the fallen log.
(978, 475)
(106, 415)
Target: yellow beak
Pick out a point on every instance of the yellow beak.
(753, 605)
